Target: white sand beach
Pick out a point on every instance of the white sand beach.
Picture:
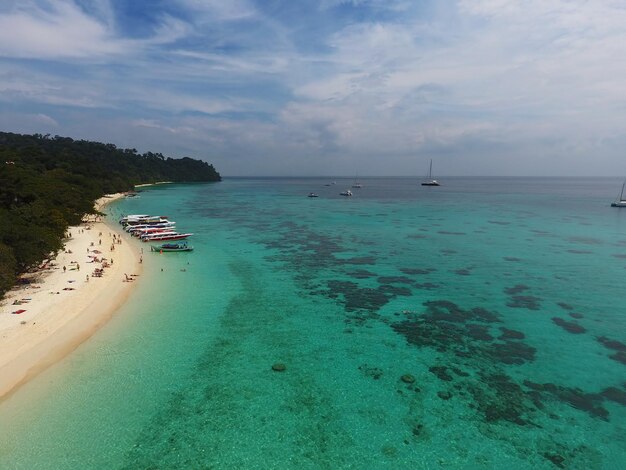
(65, 301)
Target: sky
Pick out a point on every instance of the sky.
(327, 87)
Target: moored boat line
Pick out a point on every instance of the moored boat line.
(149, 228)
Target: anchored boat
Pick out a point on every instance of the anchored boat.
(172, 247)
(620, 201)
(430, 181)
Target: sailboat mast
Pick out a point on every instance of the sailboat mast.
(430, 170)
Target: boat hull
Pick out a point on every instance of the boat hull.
(166, 238)
(161, 249)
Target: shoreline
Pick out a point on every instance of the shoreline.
(64, 304)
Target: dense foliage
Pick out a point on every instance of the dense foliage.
(48, 183)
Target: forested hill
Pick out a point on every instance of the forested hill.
(48, 183)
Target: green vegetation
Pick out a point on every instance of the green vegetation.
(48, 183)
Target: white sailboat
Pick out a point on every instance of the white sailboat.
(620, 201)
(431, 181)
(356, 184)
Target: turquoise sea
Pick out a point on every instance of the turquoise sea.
(481, 324)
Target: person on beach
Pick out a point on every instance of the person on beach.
(64, 268)
(87, 278)
(77, 267)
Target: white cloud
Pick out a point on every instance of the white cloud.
(60, 29)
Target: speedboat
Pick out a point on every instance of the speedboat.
(313, 195)
(346, 193)
(172, 247)
(157, 237)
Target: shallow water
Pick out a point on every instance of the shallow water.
(501, 298)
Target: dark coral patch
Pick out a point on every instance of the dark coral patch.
(478, 332)
(511, 334)
(576, 315)
(498, 222)
(445, 310)
(441, 372)
(516, 289)
(355, 297)
(445, 232)
(465, 334)
(529, 302)
(565, 306)
(394, 290)
(615, 394)
(512, 352)
(556, 459)
(612, 344)
(620, 256)
(448, 251)
(407, 378)
(394, 280)
(511, 258)
(620, 355)
(459, 372)
(417, 271)
(580, 252)
(463, 272)
(502, 399)
(590, 403)
(361, 274)
(359, 260)
(373, 372)
(426, 285)
(569, 326)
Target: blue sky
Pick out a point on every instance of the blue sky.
(327, 87)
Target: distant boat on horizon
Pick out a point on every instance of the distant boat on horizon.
(620, 201)
(356, 183)
(431, 181)
(346, 193)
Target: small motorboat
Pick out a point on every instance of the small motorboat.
(171, 247)
(313, 195)
(346, 193)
